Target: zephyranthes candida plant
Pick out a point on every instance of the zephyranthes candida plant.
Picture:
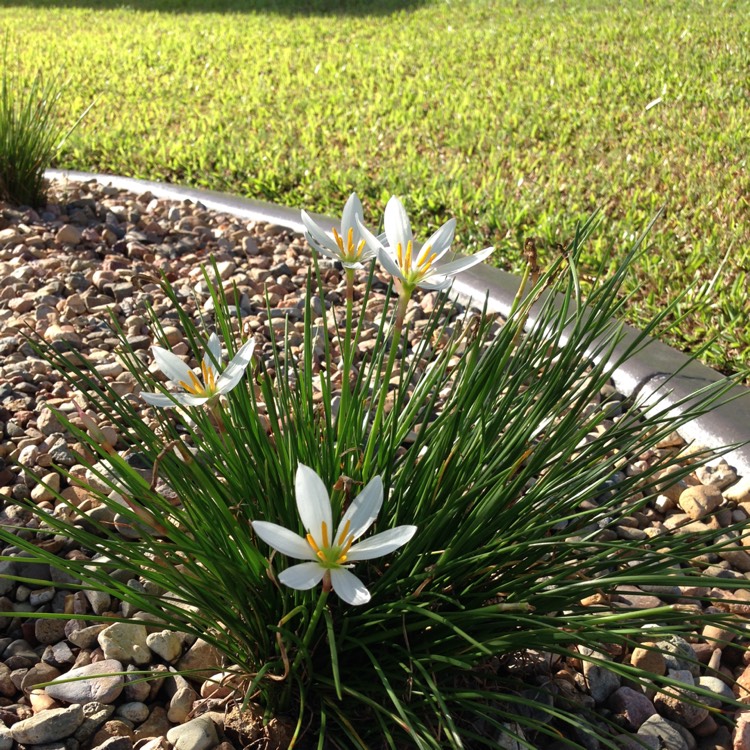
(454, 479)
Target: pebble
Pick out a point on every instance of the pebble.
(102, 686)
(125, 642)
(167, 644)
(48, 726)
(201, 660)
(668, 736)
(196, 734)
(700, 501)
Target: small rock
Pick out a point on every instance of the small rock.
(167, 644)
(721, 476)
(48, 726)
(700, 501)
(633, 707)
(115, 743)
(667, 735)
(135, 711)
(181, 705)
(201, 656)
(648, 659)
(125, 642)
(196, 734)
(157, 724)
(99, 688)
(68, 235)
(602, 682)
(95, 714)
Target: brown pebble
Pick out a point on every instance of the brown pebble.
(647, 659)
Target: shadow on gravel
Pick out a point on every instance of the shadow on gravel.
(280, 7)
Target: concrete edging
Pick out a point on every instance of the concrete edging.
(657, 373)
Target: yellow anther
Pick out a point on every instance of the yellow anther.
(311, 541)
(344, 550)
(195, 387)
(337, 237)
(423, 254)
(324, 533)
(399, 254)
(425, 265)
(407, 264)
(350, 240)
(208, 376)
(344, 532)
(360, 248)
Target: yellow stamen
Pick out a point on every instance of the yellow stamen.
(344, 532)
(208, 376)
(350, 241)
(360, 248)
(423, 254)
(425, 265)
(344, 550)
(311, 541)
(195, 387)
(324, 533)
(337, 237)
(399, 254)
(407, 264)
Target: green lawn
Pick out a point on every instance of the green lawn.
(519, 118)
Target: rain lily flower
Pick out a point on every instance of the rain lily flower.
(328, 553)
(197, 390)
(413, 266)
(349, 247)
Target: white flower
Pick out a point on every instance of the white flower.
(197, 390)
(413, 266)
(326, 552)
(348, 247)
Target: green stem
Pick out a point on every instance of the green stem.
(347, 353)
(319, 607)
(403, 301)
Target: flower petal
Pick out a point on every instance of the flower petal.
(435, 283)
(397, 226)
(439, 243)
(381, 544)
(303, 576)
(171, 365)
(349, 587)
(236, 368)
(373, 243)
(363, 510)
(213, 346)
(389, 263)
(352, 210)
(283, 540)
(456, 266)
(313, 503)
(319, 235)
(158, 399)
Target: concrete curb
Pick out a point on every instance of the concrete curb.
(657, 373)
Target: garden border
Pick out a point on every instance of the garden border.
(657, 373)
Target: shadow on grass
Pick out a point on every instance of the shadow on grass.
(280, 7)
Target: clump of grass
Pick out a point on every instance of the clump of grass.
(487, 449)
(30, 133)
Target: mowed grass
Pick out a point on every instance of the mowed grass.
(518, 118)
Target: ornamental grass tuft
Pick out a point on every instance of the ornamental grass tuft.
(457, 486)
(30, 133)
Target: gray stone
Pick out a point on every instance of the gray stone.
(715, 685)
(167, 644)
(125, 642)
(115, 743)
(181, 704)
(632, 706)
(95, 714)
(134, 711)
(99, 688)
(602, 682)
(48, 726)
(667, 735)
(196, 734)
(679, 654)
(6, 738)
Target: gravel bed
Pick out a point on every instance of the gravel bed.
(97, 249)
